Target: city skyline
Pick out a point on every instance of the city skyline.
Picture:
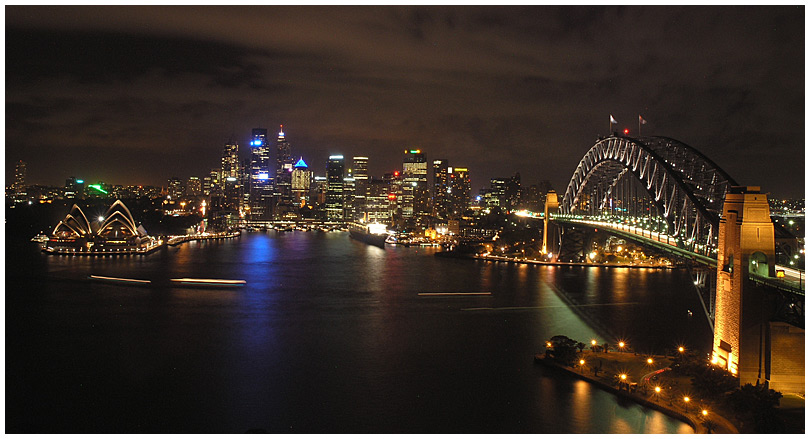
(135, 95)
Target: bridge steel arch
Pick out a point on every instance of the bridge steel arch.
(685, 186)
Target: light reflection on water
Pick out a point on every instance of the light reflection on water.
(328, 335)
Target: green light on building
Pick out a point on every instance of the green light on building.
(98, 188)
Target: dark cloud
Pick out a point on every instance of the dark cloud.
(498, 89)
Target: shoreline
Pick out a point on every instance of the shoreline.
(556, 263)
(673, 412)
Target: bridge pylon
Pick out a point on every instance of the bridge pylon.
(743, 331)
(551, 206)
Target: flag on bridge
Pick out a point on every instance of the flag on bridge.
(612, 120)
(641, 122)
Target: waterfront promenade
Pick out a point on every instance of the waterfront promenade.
(521, 260)
(179, 239)
(631, 376)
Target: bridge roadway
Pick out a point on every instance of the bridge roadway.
(793, 282)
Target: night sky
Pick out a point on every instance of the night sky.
(135, 95)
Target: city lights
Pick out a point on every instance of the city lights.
(389, 288)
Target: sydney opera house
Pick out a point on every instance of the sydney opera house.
(113, 233)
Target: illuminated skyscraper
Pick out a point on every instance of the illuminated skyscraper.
(176, 190)
(360, 174)
(497, 190)
(301, 182)
(261, 185)
(20, 171)
(348, 198)
(334, 188)
(394, 182)
(230, 160)
(381, 203)
(414, 184)
(215, 183)
(513, 192)
(193, 186)
(441, 184)
(74, 188)
(460, 191)
(284, 168)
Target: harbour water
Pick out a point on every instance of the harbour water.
(329, 335)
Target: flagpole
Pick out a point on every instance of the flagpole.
(639, 125)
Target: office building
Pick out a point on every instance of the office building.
(394, 182)
(512, 195)
(74, 188)
(414, 184)
(497, 192)
(360, 174)
(348, 198)
(334, 188)
(301, 182)
(284, 168)
(230, 160)
(459, 191)
(175, 190)
(381, 203)
(20, 171)
(441, 186)
(261, 183)
(193, 187)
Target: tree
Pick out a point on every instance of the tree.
(755, 405)
(581, 346)
(563, 350)
(712, 382)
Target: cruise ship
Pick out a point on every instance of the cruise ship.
(370, 233)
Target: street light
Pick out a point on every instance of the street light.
(623, 377)
(686, 404)
(621, 345)
(650, 361)
(581, 364)
(704, 412)
(680, 349)
(657, 392)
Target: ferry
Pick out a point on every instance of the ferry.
(40, 238)
(209, 282)
(370, 233)
(120, 280)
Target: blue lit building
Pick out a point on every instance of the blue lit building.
(301, 182)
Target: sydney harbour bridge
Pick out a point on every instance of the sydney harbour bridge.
(664, 194)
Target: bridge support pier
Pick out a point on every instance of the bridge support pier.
(551, 206)
(743, 336)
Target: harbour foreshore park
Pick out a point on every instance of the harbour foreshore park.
(681, 384)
